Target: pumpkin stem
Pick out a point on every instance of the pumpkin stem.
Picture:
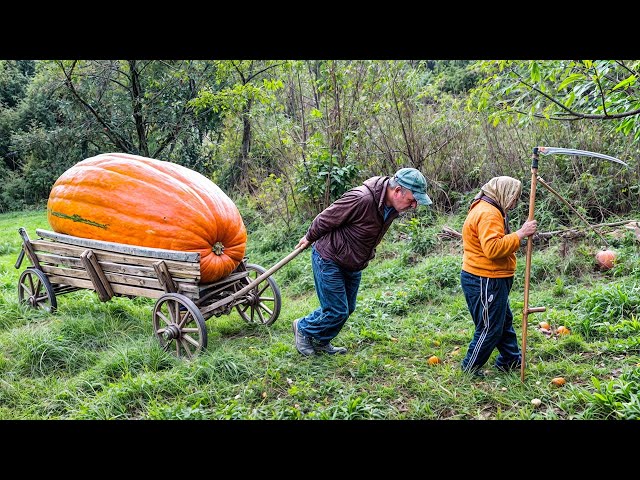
(218, 248)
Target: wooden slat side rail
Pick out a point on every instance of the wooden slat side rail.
(125, 274)
(136, 250)
(186, 288)
(107, 267)
(100, 283)
(125, 290)
(119, 269)
(186, 269)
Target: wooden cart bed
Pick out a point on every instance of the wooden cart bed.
(114, 268)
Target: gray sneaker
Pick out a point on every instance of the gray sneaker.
(328, 348)
(303, 344)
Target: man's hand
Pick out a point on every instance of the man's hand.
(303, 242)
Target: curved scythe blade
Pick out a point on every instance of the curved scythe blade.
(571, 151)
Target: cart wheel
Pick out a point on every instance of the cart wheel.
(263, 301)
(177, 320)
(35, 290)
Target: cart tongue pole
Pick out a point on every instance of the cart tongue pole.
(232, 298)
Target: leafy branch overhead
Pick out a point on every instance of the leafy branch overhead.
(564, 90)
(292, 135)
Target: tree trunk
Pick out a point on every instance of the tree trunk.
(136, 101)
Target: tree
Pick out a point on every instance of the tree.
(239, 85)
(74, 109)
(15, 76)
(561, 90)
(139, 107)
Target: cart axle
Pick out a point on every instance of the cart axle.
(171, 332)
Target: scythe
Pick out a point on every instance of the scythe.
(532, 198)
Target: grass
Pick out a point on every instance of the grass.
(93, 360)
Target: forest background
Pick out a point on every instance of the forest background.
(284, 138)
(288, 137)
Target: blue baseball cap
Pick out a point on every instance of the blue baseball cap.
(413, 180)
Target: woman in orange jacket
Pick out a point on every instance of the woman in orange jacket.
(488, 268)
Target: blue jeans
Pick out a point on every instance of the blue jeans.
(337, 290)
(488, 302)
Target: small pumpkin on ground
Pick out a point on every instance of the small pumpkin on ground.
(605, 259)
(124, 198)
(433, 360)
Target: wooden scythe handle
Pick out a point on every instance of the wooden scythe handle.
(527, 271)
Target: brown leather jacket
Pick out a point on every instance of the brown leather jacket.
(349, 230)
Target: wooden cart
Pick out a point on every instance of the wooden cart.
(63, 263)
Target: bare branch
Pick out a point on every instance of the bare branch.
(118, 141)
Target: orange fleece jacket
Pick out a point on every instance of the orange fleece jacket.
(488, 252)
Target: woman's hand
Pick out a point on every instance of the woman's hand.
(528, 228)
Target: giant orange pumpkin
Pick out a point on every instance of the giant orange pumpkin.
(123, 198)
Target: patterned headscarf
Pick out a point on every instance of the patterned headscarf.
(502, 190)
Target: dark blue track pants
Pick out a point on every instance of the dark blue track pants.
(488, 302)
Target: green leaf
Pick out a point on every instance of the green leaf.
(534, 72)
(630, 80)
(569, 80)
